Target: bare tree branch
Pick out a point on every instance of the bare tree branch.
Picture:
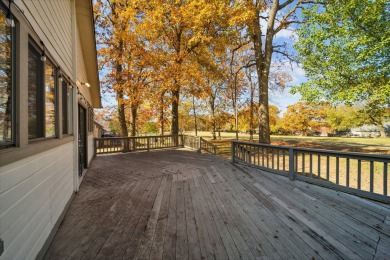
(287, 55)
(281, 6)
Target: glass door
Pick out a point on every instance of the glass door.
(82, 140)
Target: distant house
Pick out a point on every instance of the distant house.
(98, 130)
(49, 86)
(365, 131)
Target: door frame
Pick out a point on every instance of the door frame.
(81, 170)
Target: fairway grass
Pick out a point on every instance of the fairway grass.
(379, 145)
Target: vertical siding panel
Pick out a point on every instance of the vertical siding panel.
(39, 243)
(33, 205)
(31, 233)
(63, 24)
(51, 26)
(34, 191)
(46, 29)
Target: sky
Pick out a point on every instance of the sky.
(283, 99)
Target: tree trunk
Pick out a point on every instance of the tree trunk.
(235, 114)
(121, 105)
(263, 63)
(381, 130)
(162, 114)
(251, 112)
(212, 98)
(212, 102)
(236, 122)
(133, 121)
(121, 114)
(194, 109)
(264, 130)
(175, 111)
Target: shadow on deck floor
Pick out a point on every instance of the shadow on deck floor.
(178, 204)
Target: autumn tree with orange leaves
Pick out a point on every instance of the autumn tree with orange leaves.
(159, 51)
(182, 36)
(124, 57)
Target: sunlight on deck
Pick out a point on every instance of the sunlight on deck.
(178, 204)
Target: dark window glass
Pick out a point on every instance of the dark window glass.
(6, 89)
(67, 108)
(41, 95)
(35, 94)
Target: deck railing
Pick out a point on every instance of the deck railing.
(199, 143)
(361, 174)
(208, 146)
(136, 143)
(191, 142)
(146, 143)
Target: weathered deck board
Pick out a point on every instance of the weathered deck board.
(178, 204)
(192, 233)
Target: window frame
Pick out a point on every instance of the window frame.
(14, 103)
(68, 101)
(42, 91)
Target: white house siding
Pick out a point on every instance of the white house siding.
(33, 194)
(52, 22)
(81, 72)
(34, 191)
(90, 147)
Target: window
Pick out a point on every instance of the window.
(41, 96)
(67, 108)
(50, 100)
(6, 83)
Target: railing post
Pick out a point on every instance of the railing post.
(199, 144)
(125, 145)
(233, 152)
(182, 141)
(148, 143)
(291, 166)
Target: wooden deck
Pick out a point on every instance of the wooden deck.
(178, 204)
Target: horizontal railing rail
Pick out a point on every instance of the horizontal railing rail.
(146, 143)
(208, 146)
(361, 174)
(191, 142)
(199, 144)
(136, 143)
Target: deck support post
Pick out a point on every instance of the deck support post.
(148, 143)
(291, 166)
(233, 151)
(125, 145)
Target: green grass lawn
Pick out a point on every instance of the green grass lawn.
(338, 140)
